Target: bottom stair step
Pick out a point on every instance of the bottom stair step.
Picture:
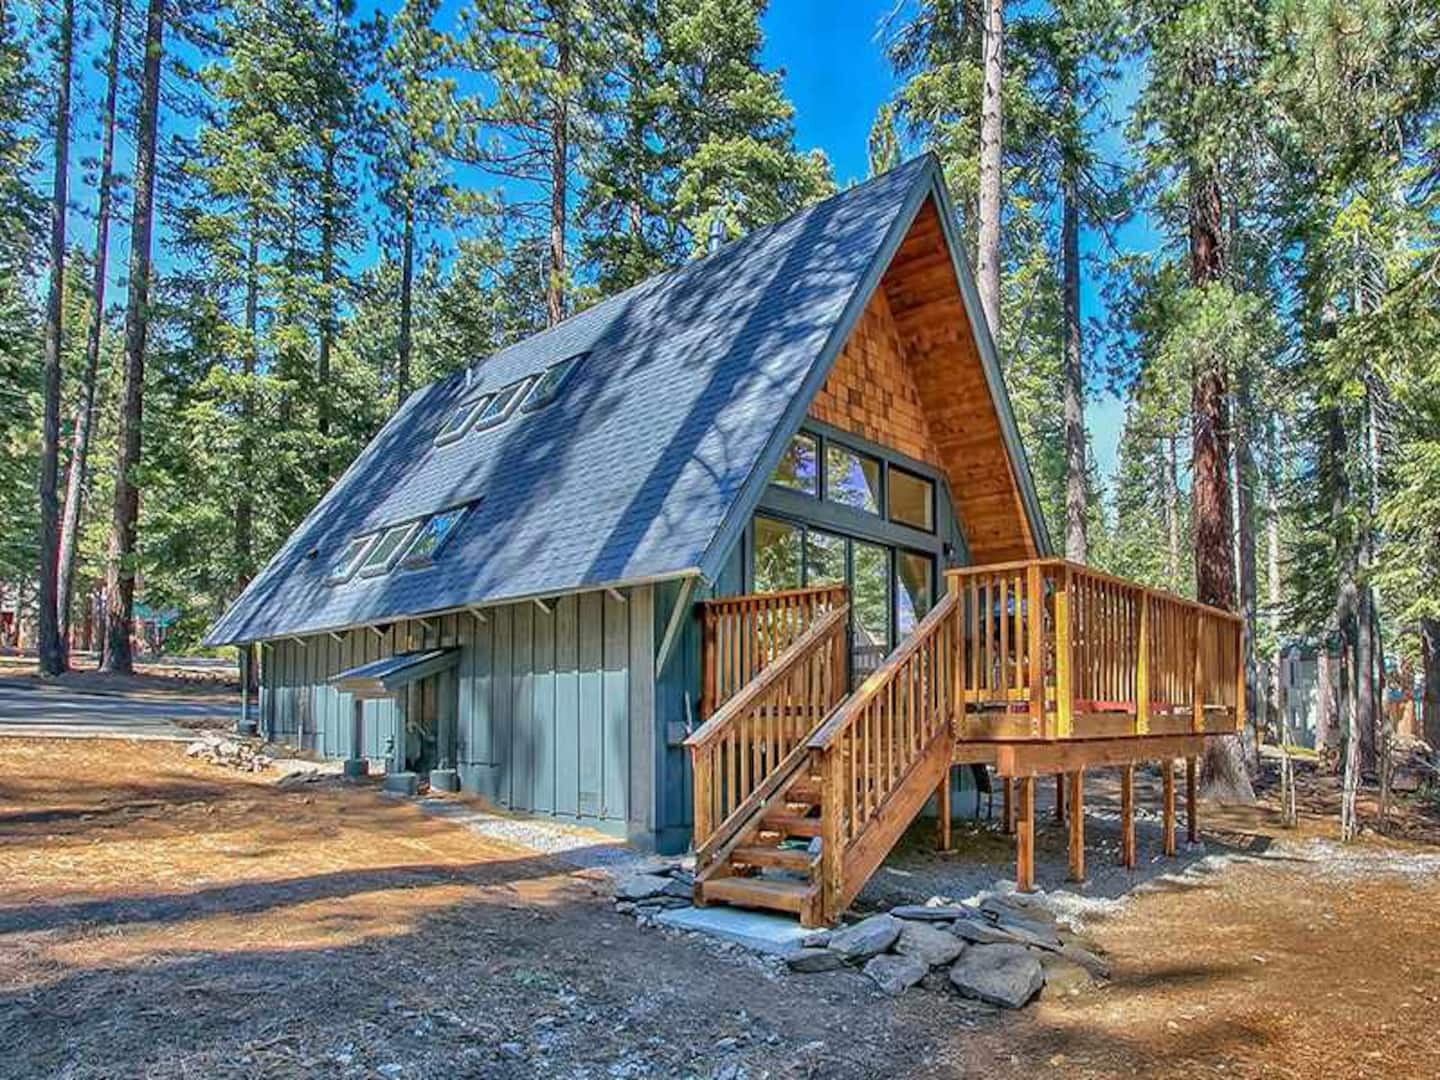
(757, 893)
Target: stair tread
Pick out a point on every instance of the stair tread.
(786, 858)
(793, 824)
(758, 892)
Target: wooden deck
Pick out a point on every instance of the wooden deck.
(1037, 668)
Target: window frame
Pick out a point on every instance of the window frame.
(409, 561)
(882, 497)
(475, 407)
(819, 447)
(366, 542)
(911, 474)
(529, 405)
(365, 570)
(519, 388)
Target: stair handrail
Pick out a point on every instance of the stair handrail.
(734, 774)
(926, 666)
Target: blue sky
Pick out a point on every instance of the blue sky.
(836, 76)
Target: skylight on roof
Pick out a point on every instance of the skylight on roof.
(344, 567)
(551, 381)
(502, 404)
(461, 419)
(387, 549)
(432, 536)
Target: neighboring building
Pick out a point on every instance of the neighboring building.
(809, 404)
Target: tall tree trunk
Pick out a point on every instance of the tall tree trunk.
(1222, 772)
(85, 414)
(559, 176)
(1430, 652)
(245, 499)
(992, 140)
(407, 291)
(1245, 480)
(1172, 512)
(53, 647)
(327, 305)
(1076, 546)
(120, 571)
(1275, 594)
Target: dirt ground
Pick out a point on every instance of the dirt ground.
(152, 681)
(164, 918)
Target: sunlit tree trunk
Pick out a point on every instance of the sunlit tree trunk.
(407, 299)
(987, 258)
(52, 645)
(1076, 546)
(120, 571)
(85, 414)
(559, 176)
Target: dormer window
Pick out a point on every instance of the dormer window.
(344, 567)
(425, 548)
(551, 381)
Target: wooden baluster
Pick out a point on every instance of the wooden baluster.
(1197, 690)
(1004, 665)
(1142, 671)
(1034, 617)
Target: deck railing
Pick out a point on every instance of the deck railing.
(1055, 650)
(740, 754)
(742, 634)
(870, 753)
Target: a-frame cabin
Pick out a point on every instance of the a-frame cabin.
(744, 559)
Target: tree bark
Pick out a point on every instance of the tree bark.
(407, 290)
(85, 414)
(1076, 543)
(327, 305)
(1245, 479)
(1172, 512)
(1430, 651)
(52, 645)
(559, 176)
(1272, 565)
(120, 571)
(992, 128)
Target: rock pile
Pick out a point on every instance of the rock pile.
(999, 952)
(654, 886)
(227, 752)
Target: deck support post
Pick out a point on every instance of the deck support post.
(942, 815)
(1192, 808)
(1060, 798)
(1127, 816)
(1168, 814)
(1025, 837)
(1008, 804)
(1076, 780)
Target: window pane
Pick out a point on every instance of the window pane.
(824, 559)
(349, 560)
(799, 468)
(912, 500)
(387, 549)
(852, 479)
(502, 403)
(914, 590)
(547, 387)
(777, 555)
(460, 420)
(870, 594)
(432, 536)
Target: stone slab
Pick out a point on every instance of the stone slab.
(402, 783)
(357, 767)
(444, 780)
(751, 929)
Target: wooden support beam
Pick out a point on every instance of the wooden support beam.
(1077, 825)
(1008, 805)
(1192, 806)
(1168, 812)
(478, 615)
(942, 819)
(1044, 758)
(1060, 798)
(1127, 816)
(1025, 837)
(616, 595)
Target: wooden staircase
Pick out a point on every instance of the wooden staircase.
(799, 824)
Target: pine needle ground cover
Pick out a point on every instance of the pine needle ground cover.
(164, 917)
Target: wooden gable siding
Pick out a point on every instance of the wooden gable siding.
(871, 392)
(934, 331)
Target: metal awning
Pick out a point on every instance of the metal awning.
(383, 677)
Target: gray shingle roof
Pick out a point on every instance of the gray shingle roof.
(638, 469)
